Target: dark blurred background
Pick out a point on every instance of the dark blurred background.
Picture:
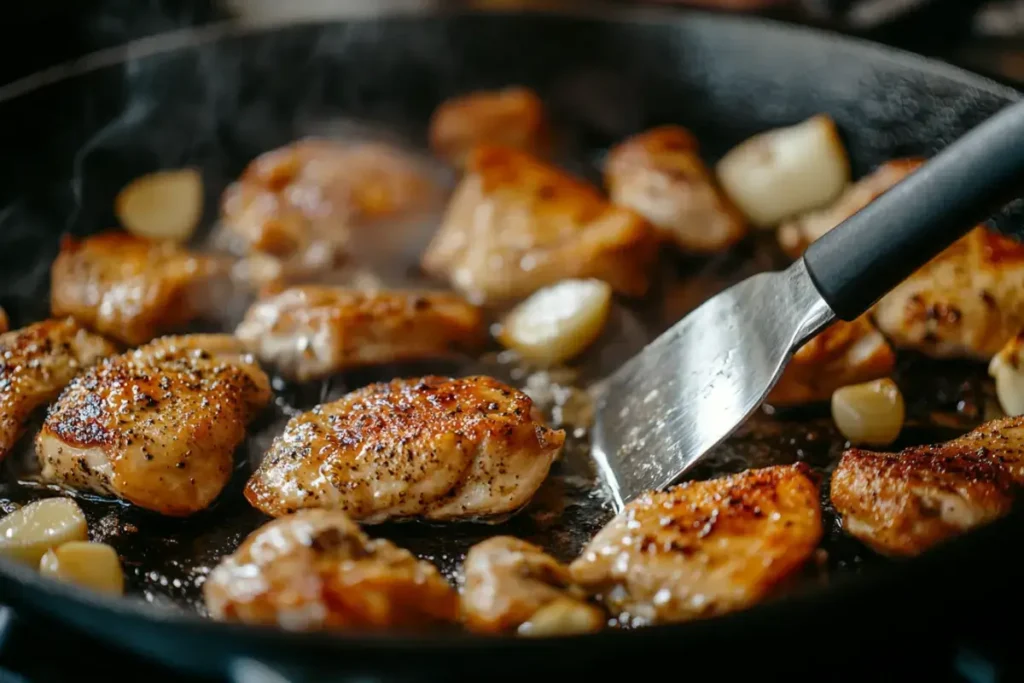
(983, 35)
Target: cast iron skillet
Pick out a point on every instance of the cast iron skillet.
(216, 97)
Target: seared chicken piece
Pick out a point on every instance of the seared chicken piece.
(298, 205)
(509, 581)
(660, 175)
(129, 288)
(703, 548)
(4, 325)
(435, 448)
(966, 302)
(316, 570)
(36, 362)
(796, 235)
(311, 332)
(157, 426)
(845, 353)
(516, 224)
(904, 503)
(512, 116)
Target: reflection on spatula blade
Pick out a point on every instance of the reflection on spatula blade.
(695, 384)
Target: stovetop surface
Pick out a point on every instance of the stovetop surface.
(29, 643)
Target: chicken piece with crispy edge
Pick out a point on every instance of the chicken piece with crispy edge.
(967, 302)
(434, 448)
(797, 234)
(660, 175)
(300, 203)
(311, 332)
(843, 354)
(4, 323)
(903, 503)
(508, 581)
(512, 116)
(130, 289)
(516, 224)
(315, 570)
(36, 363)
(157, 426)
(704, 548)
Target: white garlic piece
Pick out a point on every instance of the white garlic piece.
(90, 565)
(28, 532)
(869, 414)
(785, 172)
(165, 205)
(1005, 368)
(558, 322)
(563, 616)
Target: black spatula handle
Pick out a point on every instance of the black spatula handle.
(860, 260)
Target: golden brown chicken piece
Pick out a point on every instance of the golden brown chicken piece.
(299, 205)
(904, 503)
(660, 175)
(4, 323)
(845, 353)
(129, 288)
(516, 224)
(796, 235)
(967, 302)
(514, 585)
(703, 548)
(36, 362)
(311, 332)
(157, 426)
(316, 570)
(435, 448)
(512, 116)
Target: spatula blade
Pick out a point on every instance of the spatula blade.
(694, 385)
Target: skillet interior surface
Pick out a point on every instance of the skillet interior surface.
(216, 103)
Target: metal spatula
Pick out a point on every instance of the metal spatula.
(693, 386)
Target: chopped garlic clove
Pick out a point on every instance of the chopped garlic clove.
(563, 616)
(869, 414)
(785, 172)
(1005, 368)
(165, 205)
(90, 565)
(558, 322)
(28, 532)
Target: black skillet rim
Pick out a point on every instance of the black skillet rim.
(22, 586)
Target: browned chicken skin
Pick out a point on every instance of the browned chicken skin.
(316, 570)
(512, 116)
(435, 448)
(311, 332)
(845, 353)
(157, 426)
(4, 324)
(511, 584)
(703, 548)
(660, 175)
(36, 363)
(300, 204)
(516, 224)
(796, 235)
(129, 288)
(904, 503)
(967, 302)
